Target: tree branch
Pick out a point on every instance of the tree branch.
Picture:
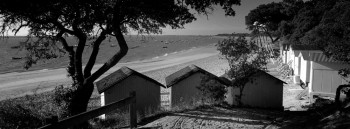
(79, 52)
(92, 59)
(112, 61)
(70, 50)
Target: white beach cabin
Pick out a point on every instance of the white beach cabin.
(264, 91)
(297, 50)
(120, 83)
(184, 83)
(324, 78)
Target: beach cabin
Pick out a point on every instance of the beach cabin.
(264, 91)
(284, 48)
(323, 74)
(184, 83)
(120, 83)
(304, 66)
(296, 50)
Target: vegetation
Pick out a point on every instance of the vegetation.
(51, 21)
(31, 111)
(212, 89)
(265, 20)
(245, 58)
(234, 34)
(322, 23)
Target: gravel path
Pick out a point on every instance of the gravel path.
(217, 118)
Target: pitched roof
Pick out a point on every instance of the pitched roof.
(321, 57)
(305, 55)
(305, 47)
(269, 75)
(259, 72)
(118, 76)
(318, 57)
(188, 71)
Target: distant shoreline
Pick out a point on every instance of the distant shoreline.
(12, 59)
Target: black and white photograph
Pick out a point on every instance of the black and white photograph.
(174, 64)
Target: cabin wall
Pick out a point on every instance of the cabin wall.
(185, 91)
(147, 93)
(304, 70)
(262, 92)
(324, 77)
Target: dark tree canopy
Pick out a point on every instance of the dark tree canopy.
(323, 23)
(49, 21)
(269, 15)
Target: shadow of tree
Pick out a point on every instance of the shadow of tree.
(221, 119)
(246, 116)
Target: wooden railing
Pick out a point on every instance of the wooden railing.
(77, 119)
(337, 95)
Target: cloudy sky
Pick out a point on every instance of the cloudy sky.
(217, 22)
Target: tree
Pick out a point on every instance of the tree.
(265, 19)
(50, 21)
(332, 34)
(322, 23)
(245, 58)
(212, 90)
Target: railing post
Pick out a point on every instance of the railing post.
(132, 110)
(337, 95)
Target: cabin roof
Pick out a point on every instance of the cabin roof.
(317, 57)
(188, 71)
(118, 76)
(261, 72)
(305, 55)
(269, 75)
(305, 47)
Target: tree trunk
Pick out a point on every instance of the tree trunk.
(84, 89)
(80, 99)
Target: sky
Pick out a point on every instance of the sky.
(215, 23)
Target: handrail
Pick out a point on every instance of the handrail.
(337, 95)
(79, 118)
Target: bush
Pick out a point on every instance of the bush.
(33, 111)
(212, 89)
(30, 111)
(62, 96)
(18, 116)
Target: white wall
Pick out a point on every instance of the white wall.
(304, 70)
(324, 77)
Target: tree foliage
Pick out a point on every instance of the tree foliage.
(245, 58)
(324, 23)
(266, 17)
(211, 89)
(49, 22)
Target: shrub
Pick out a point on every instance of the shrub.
(244, 58)
(13, 116)
(61, 97)
(212, 89)
(30, 111)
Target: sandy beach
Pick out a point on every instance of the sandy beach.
(19, 84)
